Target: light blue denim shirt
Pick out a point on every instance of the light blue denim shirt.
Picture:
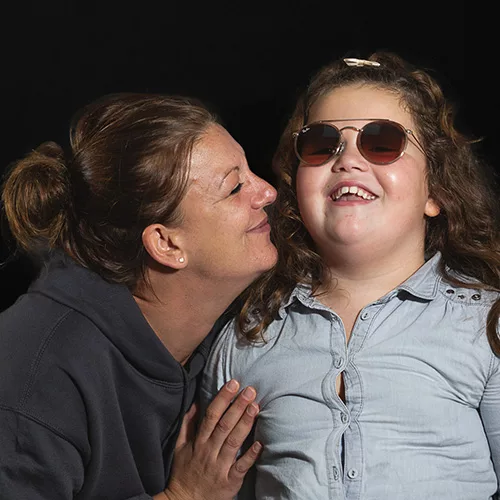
(421, 418)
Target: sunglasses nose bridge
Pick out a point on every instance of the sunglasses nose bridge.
(342, 140)
(350, 127)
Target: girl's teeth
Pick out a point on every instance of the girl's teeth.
(353, 190)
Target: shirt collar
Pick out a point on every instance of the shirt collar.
(423, 284)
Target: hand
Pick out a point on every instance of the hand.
(205, 465)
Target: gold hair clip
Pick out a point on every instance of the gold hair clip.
(352, 61)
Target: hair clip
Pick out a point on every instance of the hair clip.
(352, 61)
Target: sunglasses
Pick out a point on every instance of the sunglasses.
(380, 141)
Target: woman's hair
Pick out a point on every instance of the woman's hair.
(465, 232)
(127, 168)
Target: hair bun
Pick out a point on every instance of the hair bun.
(51, 150)
(36, 195)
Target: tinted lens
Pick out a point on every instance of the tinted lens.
(317, 143)
(382, 142)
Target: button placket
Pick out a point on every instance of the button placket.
(361, 327)
(336, 473)
(353, 453)
(338, 361)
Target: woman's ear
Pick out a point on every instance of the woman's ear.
(164, 245)
(431, 208)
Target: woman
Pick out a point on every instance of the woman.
(373, 344)
(153, 224)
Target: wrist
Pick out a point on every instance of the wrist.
(173, 493)
(162, 496)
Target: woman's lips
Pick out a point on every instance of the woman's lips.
(261, 227)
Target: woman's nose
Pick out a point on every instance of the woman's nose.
(264, 195)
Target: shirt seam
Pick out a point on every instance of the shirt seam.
(370, 324)
(39, 421)
(60, 321)
(491, 367)
(36, 361)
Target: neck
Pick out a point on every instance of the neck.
(182, 311)
(355, 279)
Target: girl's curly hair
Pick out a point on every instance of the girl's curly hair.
(465, 232)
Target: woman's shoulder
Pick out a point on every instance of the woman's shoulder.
(43, 362)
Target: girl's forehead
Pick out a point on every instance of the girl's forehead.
(360, 101)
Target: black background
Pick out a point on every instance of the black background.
(249, 60)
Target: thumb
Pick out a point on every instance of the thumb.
(188, 427)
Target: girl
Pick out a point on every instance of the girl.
(373, 344)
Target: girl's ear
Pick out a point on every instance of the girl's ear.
(431, 208)
(164, 245)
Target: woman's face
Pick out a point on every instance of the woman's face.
(224, 223)
(390, 216)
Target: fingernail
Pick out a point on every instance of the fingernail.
(252, 409)
(233, 385)
(256, 447)
(249, 393)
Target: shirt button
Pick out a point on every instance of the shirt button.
(365, 315)
(344, 418)
(336, 473)
(352, 474)
(339, 361)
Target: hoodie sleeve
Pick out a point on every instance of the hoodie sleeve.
(36, 462)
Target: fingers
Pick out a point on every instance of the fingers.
(220, 405)
(208, 466)
(239, 429)
(243, 464)
(236, 423)
(216, 409)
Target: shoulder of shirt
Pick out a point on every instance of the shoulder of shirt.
(472, 296)
(468, 296)
(428, 283)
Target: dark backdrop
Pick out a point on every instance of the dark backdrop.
(247, 59)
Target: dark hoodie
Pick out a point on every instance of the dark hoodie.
(91, 402)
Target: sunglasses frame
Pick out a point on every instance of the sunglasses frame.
(408, 134)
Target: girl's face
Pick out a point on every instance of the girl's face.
(387, 215)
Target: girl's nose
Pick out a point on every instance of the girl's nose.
(349, 157)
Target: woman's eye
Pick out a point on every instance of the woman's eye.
(236, 189)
